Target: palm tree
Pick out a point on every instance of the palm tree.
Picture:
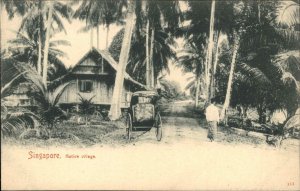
(156, 11)
(260, 40)
(16, 72)
(97, 13)
(54, 9)
(115, 111)
(25, 49)
(230, 79)
(191, 60)
(208, 64)
(269, 87)
(137, 59)
(48, 109)
(12, 73)
(243, 25)
(13, 122)
(34, 14)
(289, 22)
(209, 20)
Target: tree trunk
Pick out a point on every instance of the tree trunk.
(217, 52)
(147, 56)
(213, 80)
(107, 33)
(49, 22)
(262, 113)
(152, 83)
(230, 79)
(210, 48)
(92, 38)
(258, 11)
(115, 110)
(197, 84)
(39, 63)
(97, 36)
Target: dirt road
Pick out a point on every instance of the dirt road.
(176, 127)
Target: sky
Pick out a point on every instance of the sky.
(80, 43)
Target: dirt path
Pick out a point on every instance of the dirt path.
(175, 128)
(180, 126)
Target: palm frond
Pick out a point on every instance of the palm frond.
(190, 84)
(7, 86)
(288, 13)
(294, 121)
(254, 74)
(58, 92)
(55, 43)
(16, 122)
(59, 22)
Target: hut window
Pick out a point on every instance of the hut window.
(24, 102)
(85, 86)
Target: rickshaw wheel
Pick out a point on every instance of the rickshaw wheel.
(128, 126)
(158, 130)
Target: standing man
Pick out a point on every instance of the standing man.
(212, 118)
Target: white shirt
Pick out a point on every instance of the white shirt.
(212, 113)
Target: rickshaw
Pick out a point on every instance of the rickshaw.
(143, 114)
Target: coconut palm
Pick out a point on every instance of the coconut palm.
(47, 100)
(260, 41)
(97, 13)
(54, 9)
(25, 49)
(208, 19)
(270, 87)
(16, 120)
(191, 60)
(137, 59)
(115, 109)
(268, 42)
(254, 27)
(288, 20)
(34, 15)
(160, 15)
(13, 122)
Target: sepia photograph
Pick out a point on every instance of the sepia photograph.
(150, 94)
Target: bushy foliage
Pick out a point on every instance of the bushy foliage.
(47, 102)
(86, 106)
(170, 89)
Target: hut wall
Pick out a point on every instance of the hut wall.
(102, 91)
